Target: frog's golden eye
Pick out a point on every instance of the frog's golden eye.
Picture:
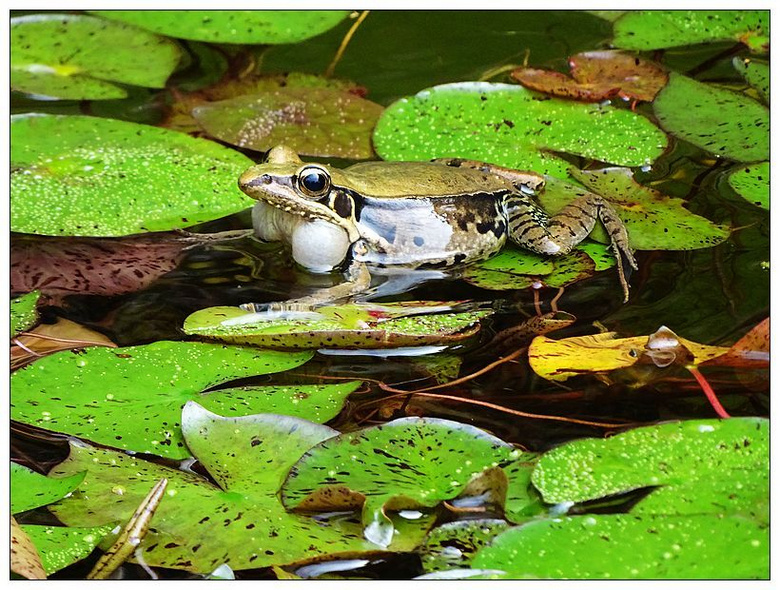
(313, 181)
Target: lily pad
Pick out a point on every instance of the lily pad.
(30, 489)
(756, 74)
(453, 544)
(598, 75)
(232, 26)
(82, 57)
(24, 312)
(403, 464)
(87, 176)
(646, 30)
(240, 521)
(313, 121)
(352, 325)
(719, 121)
(625, 546)
(131, 398)
(522, 499)
(672, 454)
(59, 547)
(751, 182)
(514, 127)
(653, 220)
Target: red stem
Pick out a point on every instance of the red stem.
(708, 391)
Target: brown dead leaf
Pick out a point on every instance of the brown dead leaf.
(751, 351)
(25, 560)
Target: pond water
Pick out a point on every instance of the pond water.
(712, 295)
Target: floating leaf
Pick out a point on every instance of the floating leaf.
(625, 546)
(406, 463)
(25, 560)
(645, 30)
(751, 182)
(719, 121)
(352, 325)
(756, 74)
(132, 397)
(653, 220)
(514, 127)
(199, 526)
(750, 351)
(24, 312)
(75, 175)
(313, 121)
(30, 489)
(59, 547)
(232, 26)
(80, 57)
(453, 544)
(522, 499)
(598, 75)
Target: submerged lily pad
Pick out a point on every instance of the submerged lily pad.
(59, 546)
(657, 29)
(719, 121)
(132, 397)
(321, 122)
(406, 463)
(88, 176)
(453, 544)
(30, 489)
(240, 521)
(352, 325)
(232, 26)
(625, 546)
(80, 57)
(751, 182)
(514, 127)
(755, 73)
(598, 75)
(24, 312)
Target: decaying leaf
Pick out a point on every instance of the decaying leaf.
(25, 560)
(750, 351)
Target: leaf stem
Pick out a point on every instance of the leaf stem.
(709, 392)
(344, 43)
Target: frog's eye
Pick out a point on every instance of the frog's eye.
(314, 182)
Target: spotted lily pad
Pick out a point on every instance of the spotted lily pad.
(313, 121)
(131, 398)
(645, 30)
(719, 121)
(239, 521)
(756, 74)
(626, 546)
(453, 544)
(87, 176)
(30, 489)
(232, 26)
(24, 312)
(598, 75)
(82, 57)
(514, 127)
(352, 325)
(59, 547)
(403, 464)
(751, 182)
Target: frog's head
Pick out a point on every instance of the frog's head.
(285, 182)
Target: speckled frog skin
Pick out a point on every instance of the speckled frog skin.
(413, 214)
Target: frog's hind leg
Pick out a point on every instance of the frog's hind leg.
(530, 227)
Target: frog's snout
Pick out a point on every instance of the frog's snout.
(251, 180)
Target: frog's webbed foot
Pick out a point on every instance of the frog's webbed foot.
(527, 182)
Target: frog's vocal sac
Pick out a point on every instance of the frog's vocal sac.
(435, 214)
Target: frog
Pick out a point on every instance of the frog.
(438, 214)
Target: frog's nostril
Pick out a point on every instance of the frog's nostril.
(265, 179)
(249, 180)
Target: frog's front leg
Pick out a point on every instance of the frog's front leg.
(530, 227)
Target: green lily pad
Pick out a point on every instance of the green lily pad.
(240, 521)
(453, 544)
(131, 398)
(522, 499)
(719, 121)
(88, 176)
(24, 312)
(672, 454)
(321, 122)
(514, 127)
(756, 74)
(232, 26)
(30, 489)
(657, 29)
(406, 463)
(624, 546)
(59, 547)
(653, 220)
(352, 325)
(751, 182)
(81, 57)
